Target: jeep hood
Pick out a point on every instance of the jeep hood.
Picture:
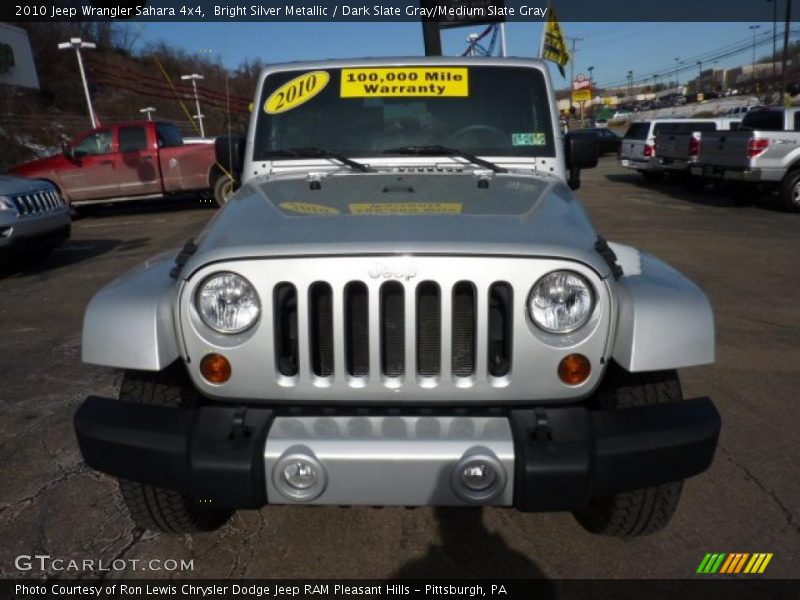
(385, 213)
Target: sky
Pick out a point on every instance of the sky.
(611, 48)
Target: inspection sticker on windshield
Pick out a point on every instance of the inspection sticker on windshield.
(528, 139)
(307, 208)
(413, 82)
(405, 208)
(296, 91)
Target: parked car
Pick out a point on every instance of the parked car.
(637, 149)
(621, 115)
(130, 161)
(34, 218)
(677, 146)
(388, 317)
(764, 151)
(608, 141)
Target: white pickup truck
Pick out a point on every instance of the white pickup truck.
(765, 150)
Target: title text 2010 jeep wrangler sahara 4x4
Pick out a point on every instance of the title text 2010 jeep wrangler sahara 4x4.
(403, 304)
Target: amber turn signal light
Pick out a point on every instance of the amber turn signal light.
(215, 368)
(574, 369)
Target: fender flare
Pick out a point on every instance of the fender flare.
(130, 323)
(664, 320)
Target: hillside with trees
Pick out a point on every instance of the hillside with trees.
(124, 76)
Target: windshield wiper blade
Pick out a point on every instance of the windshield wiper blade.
(312, 152)
(436, 150)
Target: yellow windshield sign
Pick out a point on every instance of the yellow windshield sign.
(405, 208)
(295, 92)
(413, 82)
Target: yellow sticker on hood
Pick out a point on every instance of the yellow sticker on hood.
(414, 82)
(405, 208)
(307, 208)
(296, 91)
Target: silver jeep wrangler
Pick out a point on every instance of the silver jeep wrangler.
(403, 304)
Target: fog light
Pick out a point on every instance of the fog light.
(574, 369)
(298, 475)
(215, 368)
(478, 477)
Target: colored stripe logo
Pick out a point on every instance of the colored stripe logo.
(734, 563)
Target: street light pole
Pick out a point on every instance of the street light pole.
(77, 44)
(148, 110)
(591, 85)
(194, 77)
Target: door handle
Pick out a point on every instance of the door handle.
(148, 157)
(106, 162)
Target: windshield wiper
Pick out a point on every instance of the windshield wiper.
(312, 152)
(436, 150)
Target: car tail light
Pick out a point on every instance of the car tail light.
(756, 147)
(694, 146)
(649, 150)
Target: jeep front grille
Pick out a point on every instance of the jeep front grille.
(391, 331)
(37, 202)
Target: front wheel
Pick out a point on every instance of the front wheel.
(223, 190)
(643, 511)
(151, 507)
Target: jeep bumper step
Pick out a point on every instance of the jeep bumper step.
(537, 459)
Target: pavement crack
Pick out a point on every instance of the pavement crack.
(791, 520)
(23, 503)
(136, 534)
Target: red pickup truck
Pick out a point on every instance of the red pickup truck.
(130, 161)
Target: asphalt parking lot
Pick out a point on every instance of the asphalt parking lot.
(744, 255)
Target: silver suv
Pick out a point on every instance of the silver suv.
(34, 218)
(403, 304)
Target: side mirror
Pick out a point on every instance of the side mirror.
(69, 152)
(230, 154)
(580, 152)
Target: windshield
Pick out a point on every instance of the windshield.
(365, 111)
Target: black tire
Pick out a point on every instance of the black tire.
(648, 510)
(653, 176)
(223, 190)
(155, 508)
(790, 191)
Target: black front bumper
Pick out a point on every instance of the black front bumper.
(563, 455)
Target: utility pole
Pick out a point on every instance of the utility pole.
(677, 61)
(148, 110)
(78, 44)
(194, 77)
(785, 58)
(503, 47)
(630, 87)
(774, 35)
(572, 40)
(699, 76)
(753, 28)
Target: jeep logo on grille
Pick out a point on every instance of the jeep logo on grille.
(379, 270)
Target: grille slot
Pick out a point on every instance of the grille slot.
(500, 329)
(286, 342)
(464, 313)
(392, 329)
(429, 329)
(356, 329)
(37, 202)
(320, 303)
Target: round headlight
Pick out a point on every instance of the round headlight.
(560, 302)
(228, 303)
